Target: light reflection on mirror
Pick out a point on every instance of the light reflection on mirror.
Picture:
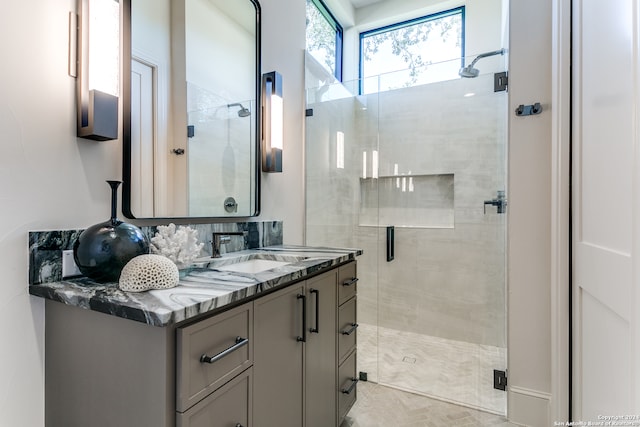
(194, 90)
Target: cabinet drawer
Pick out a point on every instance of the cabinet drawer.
(347, 386)
(228, 406)
(211, 352)
(347, 282)
(347, 328)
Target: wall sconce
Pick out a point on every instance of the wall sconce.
(98, 65)
(272, 123)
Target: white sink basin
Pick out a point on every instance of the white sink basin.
(253, 266)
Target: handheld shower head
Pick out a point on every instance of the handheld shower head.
(470, 72)
(242, 112)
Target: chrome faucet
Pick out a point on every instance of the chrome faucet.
(222, 238)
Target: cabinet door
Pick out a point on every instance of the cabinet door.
(229, 406)
(278, 358)
(320, 351)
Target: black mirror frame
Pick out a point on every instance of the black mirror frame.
(126, 118)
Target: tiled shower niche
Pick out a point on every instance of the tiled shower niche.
(424, 201)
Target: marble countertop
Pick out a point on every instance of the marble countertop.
(206, 287)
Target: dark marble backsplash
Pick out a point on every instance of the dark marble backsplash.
(45, 247)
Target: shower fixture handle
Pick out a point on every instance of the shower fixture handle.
(230, 205)
(500, 202)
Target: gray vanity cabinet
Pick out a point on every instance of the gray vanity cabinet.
(279, 358)
(296, 378)
(277, 361)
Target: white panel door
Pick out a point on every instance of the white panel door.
(142, 139)
(605, 209)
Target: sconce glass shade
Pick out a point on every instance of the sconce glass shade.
(273, 122)
(98, 77)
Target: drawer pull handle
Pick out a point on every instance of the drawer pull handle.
(317, 328)
(348, 390)
(240, 342)
(349, 331)
(303, 338)
(350, 282)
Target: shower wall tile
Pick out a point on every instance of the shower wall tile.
(218, 152)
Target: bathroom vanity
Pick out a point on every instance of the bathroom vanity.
(261, 338)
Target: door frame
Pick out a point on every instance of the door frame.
(561, 213)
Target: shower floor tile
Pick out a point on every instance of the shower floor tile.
(453, 371)
(381, 406)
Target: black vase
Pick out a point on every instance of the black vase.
(102, 250)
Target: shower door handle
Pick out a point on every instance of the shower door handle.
(391, 243)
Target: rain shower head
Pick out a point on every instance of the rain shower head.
(242, 112)
(469, 71)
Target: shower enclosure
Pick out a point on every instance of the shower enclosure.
(416, 177)
(219, 134)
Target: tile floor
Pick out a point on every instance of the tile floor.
(454, 371)
(380, 406)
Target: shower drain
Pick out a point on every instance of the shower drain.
(409, 359)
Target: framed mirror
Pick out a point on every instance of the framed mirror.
(191, 108)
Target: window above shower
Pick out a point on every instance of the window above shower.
(324, 38)
(373, 46)
(423, 50)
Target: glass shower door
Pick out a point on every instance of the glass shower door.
(441, 299)
(341, 139)
(423, 165)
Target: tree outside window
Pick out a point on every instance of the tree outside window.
(411, 53)
(324, 37)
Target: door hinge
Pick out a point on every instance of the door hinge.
(500, 81)
(500, 380)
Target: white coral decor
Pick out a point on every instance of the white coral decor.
(179, 245)
(148, 271)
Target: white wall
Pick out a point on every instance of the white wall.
(52, 180)
(232, 78)
(283, 43)
(529, 274)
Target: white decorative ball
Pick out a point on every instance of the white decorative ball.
(149, 271)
